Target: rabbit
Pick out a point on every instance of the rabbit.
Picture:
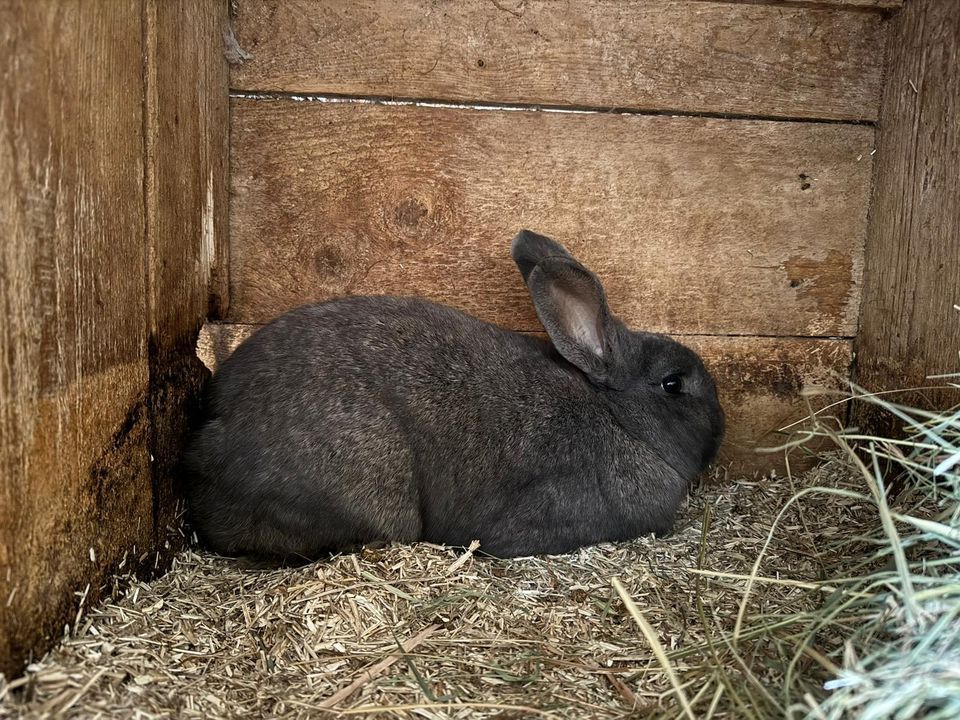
(395, 419)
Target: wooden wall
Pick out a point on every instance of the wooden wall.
(711, 161)
(112, 178)
(910, 327)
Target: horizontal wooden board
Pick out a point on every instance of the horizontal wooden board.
(712, 57)
(694, 225)
(850, 4)
(759, 380)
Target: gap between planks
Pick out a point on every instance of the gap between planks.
(390, 101)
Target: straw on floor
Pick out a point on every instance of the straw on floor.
(432, 634)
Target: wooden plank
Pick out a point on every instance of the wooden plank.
(679, 56)
(759, 380)
(187, 162)
(695, 225)
(75, 491)
(849, 4)
(187, 158)
(218, 340)
(910, 326)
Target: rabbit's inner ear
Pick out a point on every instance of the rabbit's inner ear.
(572, 307)
(581, 318)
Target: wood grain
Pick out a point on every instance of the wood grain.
(113, 162)
(75, 491)
(850, 4)
(187, 164)
(698, 57)
(759, 380)
(695, 226)
(910, 326)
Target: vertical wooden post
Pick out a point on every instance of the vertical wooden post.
(113, 165)
(75, 481)
(910, 327)
(187, 128)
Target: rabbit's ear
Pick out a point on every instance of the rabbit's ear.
(572, 306)
(529, 248)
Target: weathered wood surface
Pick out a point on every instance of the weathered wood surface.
(910, 327)
(759, 380)
(711, 57)
(113, 157)
(187, 159)
(694, 225)
(851, 4)
(75, 491)
(218, 340)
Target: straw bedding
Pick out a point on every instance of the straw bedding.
(427, 632)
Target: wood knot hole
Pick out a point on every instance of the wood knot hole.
(410, 211)
(328, 260)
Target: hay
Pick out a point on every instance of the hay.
(902, 660)
(421, 631)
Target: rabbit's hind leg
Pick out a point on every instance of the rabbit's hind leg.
(355, 487)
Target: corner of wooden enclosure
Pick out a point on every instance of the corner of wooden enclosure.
(113, 161)
(721, 195)
(910, 321)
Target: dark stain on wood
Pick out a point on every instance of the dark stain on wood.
(819, 281)
(121, 465)
(760, 381)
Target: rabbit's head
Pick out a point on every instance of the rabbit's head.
(658, 390)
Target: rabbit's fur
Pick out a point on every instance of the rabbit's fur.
(397, 419)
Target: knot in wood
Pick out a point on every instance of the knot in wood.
(410, 211)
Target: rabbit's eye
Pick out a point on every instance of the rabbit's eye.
(672, 384)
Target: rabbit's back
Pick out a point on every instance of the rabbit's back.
(375, 418)
(406, 353)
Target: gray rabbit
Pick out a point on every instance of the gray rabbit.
(370, 419)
